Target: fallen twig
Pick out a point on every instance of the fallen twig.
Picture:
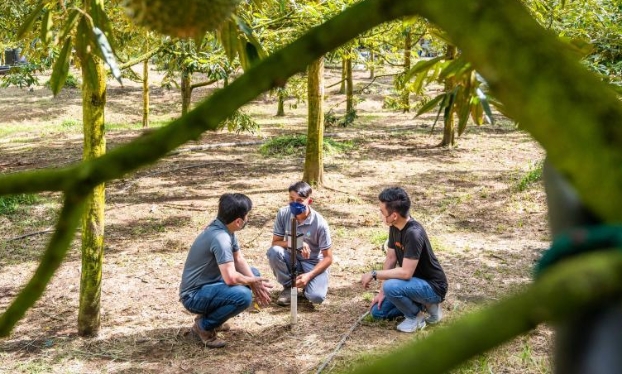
(51, 229)
(341, 343)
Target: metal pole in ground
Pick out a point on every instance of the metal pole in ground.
(294, 291)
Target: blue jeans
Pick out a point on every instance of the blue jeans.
(404, 298)
(217, 302)
(280, 262)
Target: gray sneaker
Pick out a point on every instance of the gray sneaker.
(436, 313)
(285, 298)
(412, 324)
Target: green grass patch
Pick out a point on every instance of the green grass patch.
(71, 124)
(288, 145)
(533, 175)
(9, 204)
(379, 237)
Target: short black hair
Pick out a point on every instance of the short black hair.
(232, 206)
(301, 188)
(396, 200)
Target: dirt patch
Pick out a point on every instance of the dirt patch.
(485, 231)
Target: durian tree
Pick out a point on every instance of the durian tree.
(83, 27)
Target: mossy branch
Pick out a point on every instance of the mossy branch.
(50, 261)
(139, 59)
(592, 279)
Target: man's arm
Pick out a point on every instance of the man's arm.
(239, 272)
(303, 279)
(389, 270)
(404, 272)
(234, 278)
(279, 240)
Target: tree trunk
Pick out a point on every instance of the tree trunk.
(186, 91)
(449, 128)
(372, 68)
(349, 87)
(342, 86)
(93, 103)
(314, 158)
(405, 92)
(146, 93)
(281, 109)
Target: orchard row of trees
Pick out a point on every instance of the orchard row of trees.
(515, 67)
(591, 28)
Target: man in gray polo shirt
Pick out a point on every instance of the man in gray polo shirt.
(217, 283)
(316, 256)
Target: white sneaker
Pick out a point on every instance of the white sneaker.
(436, 313)
(412, 324)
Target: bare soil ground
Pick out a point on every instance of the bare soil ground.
(486, 233)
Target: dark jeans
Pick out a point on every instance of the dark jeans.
(217, 302)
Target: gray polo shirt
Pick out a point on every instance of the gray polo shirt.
(315, 230)
(213, 247)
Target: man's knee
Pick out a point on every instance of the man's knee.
(376, 313)
(244, 296)
(315, 297)
(275, 252)
(391, 287)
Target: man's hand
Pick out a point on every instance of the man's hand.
(366, 280)
(261, 289)
(305, 251)
(302, 280)
(378, 299)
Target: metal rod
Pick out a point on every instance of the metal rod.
(294, 291)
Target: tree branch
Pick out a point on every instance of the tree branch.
(202, 84)
(139, 59)
(52, 258)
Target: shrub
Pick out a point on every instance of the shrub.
(10, 203)
(288, 145)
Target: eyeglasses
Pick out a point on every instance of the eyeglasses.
(382, 214)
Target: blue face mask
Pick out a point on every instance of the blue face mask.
(297, 208)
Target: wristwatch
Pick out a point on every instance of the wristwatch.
(373, 274)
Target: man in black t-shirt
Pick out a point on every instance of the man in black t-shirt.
(418, 284)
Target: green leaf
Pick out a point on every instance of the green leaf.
(454, 68)
(101, 20)
(419, 82)
(485, 106)
(91, 75)
(463, 113)
(84, 37)
(250, 35)
(46, 27)
(449, 107)
(477, 113)
(440, 108)
(30, 21)
(252, 53)
(69, 24)
(228, 35)
(106, 52)
(421, 66)
(60, 69)
(430, 105)
(243, 57)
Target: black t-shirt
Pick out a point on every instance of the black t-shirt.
(412, 242)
